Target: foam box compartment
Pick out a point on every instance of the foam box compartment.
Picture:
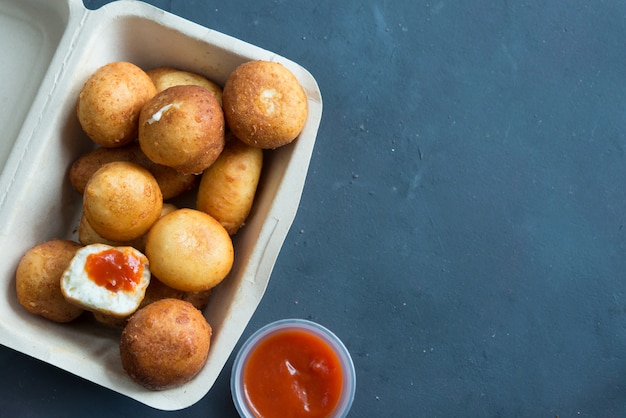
(49, 49)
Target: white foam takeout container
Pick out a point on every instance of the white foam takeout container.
(49, 48)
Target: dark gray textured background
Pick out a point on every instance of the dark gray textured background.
(461, 228)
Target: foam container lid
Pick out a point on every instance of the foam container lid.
(49, 49)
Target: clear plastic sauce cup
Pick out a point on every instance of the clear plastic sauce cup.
(293, 367)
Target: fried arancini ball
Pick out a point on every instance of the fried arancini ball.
(228, 186)
(121, 201)
(38, 280)
(165, 344)
(264, 104)
(171, 182)
(189, 250)
(110, 101)
(182, 127)
(166, 77)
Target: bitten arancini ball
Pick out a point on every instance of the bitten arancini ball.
(182, 127)
(110, 101)
(189, 250)
(165, 344)
(121, 201)
(38, 280)
(264, 104)
(166, 77)
(107, 279)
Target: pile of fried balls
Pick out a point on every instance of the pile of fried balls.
(143, 262)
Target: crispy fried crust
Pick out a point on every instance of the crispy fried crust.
(165, 344)
(121, 201)
(228, 187)
(182, 127)
(38, 278)
(264, 104)
(110, 101)
(189, 250)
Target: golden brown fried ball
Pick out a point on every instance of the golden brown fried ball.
(38, 280)
(165, 344)
(110, 101)
(166, 77)
(228, 186)
(264, 104)
(171, 182)
(121, 201)
(183, 128)
(189, 250)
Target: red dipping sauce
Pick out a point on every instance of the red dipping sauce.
(299, 369)
(293, 373)
(114, 270)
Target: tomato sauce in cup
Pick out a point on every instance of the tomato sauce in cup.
(293, 368)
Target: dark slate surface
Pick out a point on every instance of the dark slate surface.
(462, 225)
